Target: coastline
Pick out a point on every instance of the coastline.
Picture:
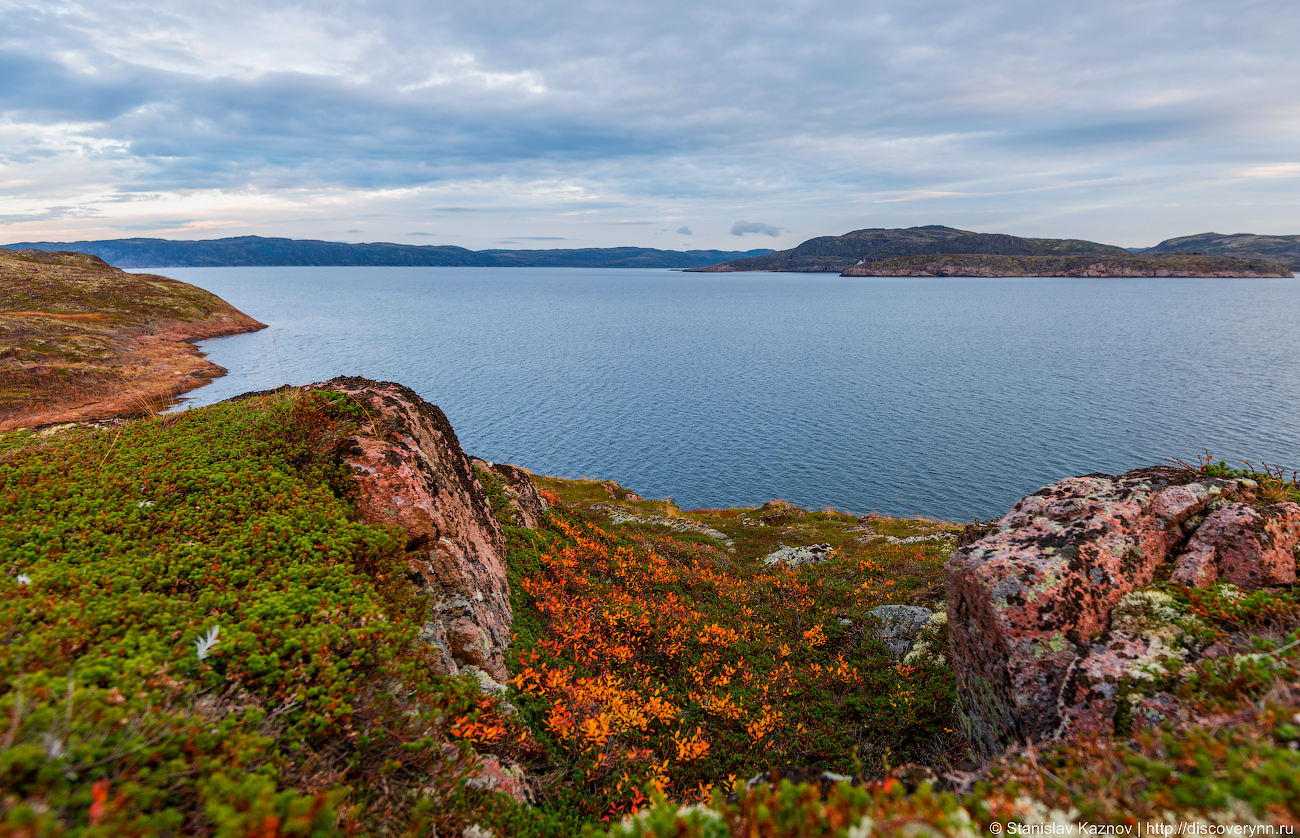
(82, 340)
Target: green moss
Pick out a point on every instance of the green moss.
(134, 543)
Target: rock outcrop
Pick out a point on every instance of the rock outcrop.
(900, 626)
(800, 556)
(525, 503)
(1249, 548)
(413, 474)
(620, 515)
(1033, 645)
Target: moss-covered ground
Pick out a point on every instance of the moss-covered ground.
(314, 711)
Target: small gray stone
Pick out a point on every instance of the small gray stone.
(899, 626)
(800, 556)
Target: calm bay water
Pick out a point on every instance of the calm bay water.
(944, 397)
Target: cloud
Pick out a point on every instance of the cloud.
(740, 228)
(542, 238)
(421, 234)
(684, 231)
(1116, 116)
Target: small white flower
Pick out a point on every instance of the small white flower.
(144, 503)
(24, 579)
(203, 644)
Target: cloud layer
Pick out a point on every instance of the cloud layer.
(616, 123)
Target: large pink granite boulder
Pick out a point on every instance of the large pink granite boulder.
(1251, 548)
(1090, 694)
(413, 474)
(1026, 600)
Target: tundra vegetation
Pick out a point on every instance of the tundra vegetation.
(201, 639)
(81, 339)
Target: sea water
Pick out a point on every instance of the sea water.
(944, 397)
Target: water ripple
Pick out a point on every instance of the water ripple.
(944, 397)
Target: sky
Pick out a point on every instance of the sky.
(730, 124)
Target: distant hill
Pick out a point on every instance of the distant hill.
(1087, 265)
(1281, 249)
(837, 253)
(242, 251)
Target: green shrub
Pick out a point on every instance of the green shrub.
(139, 541)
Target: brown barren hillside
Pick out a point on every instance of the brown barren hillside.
(80, 339)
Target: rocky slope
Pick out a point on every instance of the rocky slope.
(1284, 250)
(1174, 264)
(1139, 629)
(838, 253)
(80, 339)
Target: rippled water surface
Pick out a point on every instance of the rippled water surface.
(944, 397)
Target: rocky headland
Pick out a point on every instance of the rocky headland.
(838, 253)
(80, 339)
(1172, 265)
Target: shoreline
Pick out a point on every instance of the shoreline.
(82, 340)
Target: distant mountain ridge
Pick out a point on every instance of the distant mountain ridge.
(838, 253)
(247, 251)
(1284, 250)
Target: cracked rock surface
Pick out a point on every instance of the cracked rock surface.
(413, 474)
(1030, 603)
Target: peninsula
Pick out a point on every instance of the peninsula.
(1091, 265)
(80, 339)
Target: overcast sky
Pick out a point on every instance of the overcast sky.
(730, 124)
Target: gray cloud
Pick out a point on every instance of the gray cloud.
(740, 228)
(421, 234)
(684, 231)
(838, 115)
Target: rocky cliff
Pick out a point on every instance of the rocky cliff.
(1092, 265)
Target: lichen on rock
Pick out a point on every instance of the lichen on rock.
(412, 473)
(1030, 600)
